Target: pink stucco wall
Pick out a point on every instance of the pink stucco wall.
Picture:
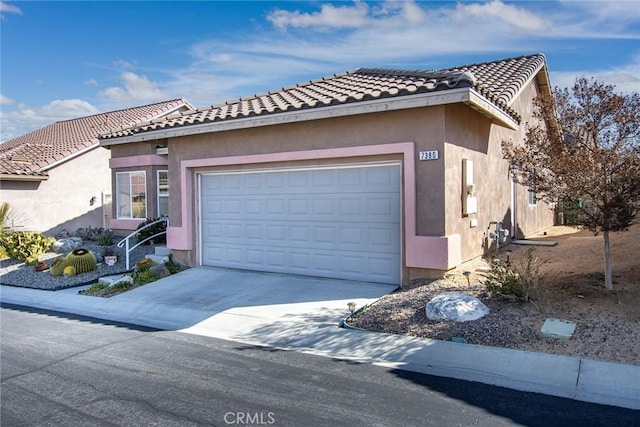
(436, 235)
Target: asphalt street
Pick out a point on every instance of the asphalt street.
(59, 369)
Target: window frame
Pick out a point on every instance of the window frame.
(131, 202)
(158, 193)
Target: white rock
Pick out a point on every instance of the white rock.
(456, 307)
(66, 245)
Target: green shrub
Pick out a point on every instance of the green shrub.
(520, 281)
(145, 264)
(106, 238)
(121, 286)
(151, 231)
(96, 288)
(172, 266)
(143, 277)
(25, 245)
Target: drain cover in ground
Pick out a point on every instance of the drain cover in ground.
(555, 328)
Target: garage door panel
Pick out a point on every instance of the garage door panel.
(318, 262)
(355, 237)
(341, 222)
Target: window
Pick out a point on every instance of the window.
(163, 193)
(532, 197)
(533, 200)
(131, 200)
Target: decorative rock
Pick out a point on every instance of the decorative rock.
(66, 245)
(160, 270)
(456, 307)
(64, 233)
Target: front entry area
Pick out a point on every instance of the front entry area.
(337, 222)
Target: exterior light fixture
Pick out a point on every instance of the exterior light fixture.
(352, 307)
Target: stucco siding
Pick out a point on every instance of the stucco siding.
(423, 127)
(469, 135)
(69, 199)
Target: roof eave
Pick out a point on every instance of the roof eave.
(71, 156)
(489, 109)
(452, 96)
(12, 177)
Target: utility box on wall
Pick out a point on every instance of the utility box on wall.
(469, 199)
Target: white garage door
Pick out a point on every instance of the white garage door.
(327, 222)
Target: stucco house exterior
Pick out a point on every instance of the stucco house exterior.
(58, 177)
(375, 174)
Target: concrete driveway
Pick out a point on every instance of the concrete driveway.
(253, 306)
(245, 306)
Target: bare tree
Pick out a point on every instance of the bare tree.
(585, 148)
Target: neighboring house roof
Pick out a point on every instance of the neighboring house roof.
(494, 84)
(30, 155)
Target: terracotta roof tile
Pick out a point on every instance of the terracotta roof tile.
(498, 81)
(30, 154)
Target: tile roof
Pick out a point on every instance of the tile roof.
(498, 81)
(31, 154)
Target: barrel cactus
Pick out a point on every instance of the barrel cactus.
(82, 260)
(69, 271)
(57, 267)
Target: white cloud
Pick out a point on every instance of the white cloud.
(136, 88)
(495, 12)
(626, 78)
(7, 8)
(124, 63)
(91, 82)
(620, 11)
(329, 16)
(5, 100)
(26, 119)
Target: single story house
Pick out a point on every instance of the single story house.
(58, 177)
(379, 175)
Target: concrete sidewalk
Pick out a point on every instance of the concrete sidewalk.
(302, 314)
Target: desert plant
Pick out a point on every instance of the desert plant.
(145, 264)
(106, 238)
(69, 271)
(109, 251)
(5, 211)
(171, 265)
(82, 260)
(146, 233)
(90, 233)
(9, 218)
(57, 267)
(96, 288)
(519, 281)
(25, 245)
(143, 277)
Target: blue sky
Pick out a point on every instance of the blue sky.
(62, 60)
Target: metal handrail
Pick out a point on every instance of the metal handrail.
(125, 242)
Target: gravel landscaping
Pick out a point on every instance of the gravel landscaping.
(607, 322)
(16, 273)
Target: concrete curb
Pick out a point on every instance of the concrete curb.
(569, 377)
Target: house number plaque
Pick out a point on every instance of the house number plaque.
(429, 155)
